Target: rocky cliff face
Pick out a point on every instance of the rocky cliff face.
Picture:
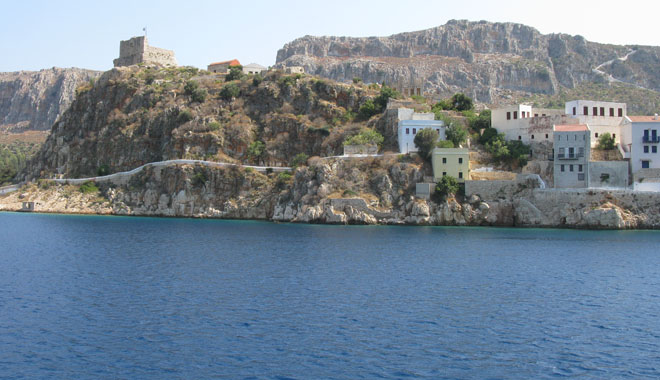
(135, 115)
(33, 100)
(489, 61)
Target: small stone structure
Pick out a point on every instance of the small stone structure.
(137, 50)
(608, 174)
(222, 67)
(27, 206)
(350, 150)
(294, 70)
(424, 190)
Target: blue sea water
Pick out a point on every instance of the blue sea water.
(93, 297)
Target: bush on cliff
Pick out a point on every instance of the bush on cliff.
(230, 91)
(299, 159)
(89, 187)
(235, 72)
(447, 185)
(456, 133)
(365, 137)
(606, 142)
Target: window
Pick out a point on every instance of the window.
(460, 174)
(543, 115)
(645, 164)
(654, 149)
(574, 110)
(580, 168)
(595, 111)
(407, 131)
(460, 160)
(519, 137)
(444, 160)
(580, 176)
(561, 152)
(602, 111)
(646, 148)
(515, 114)
(532, 137)
(580, 152)
(620, 112)
(414, 131)
(611, 111)
(546, 135)
(570, 167)
(613, 135)
(536, 115)
(562, 168)
(585, 111)
(508, 115)
(571, 153)
(444, 174)
(596, 134)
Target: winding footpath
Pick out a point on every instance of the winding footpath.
(609, 77)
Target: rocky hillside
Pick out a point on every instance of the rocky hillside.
(135, 115)
(492, 62)
(33, 100)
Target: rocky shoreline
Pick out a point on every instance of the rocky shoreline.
(338, 192)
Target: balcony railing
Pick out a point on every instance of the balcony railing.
(651, 139)
(567, 156)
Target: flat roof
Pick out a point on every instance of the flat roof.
(571, 128)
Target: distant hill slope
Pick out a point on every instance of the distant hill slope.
(492, 62)
(32, 100)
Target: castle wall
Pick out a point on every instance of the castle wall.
(137, 50)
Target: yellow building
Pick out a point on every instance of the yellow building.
(454, 162)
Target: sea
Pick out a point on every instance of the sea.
(107, 297)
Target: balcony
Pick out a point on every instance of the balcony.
(651, 139)
(567, 156)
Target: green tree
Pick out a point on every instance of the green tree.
(487, 136)
(230, 91)
(385, 94)
(480, 122)
(461, 102)
(425, 141)
(357, 80)
(606, 142)
(367, 110)
(456, 133)
(445, 144)
(257, 151)
(299, 159)
(447, 185)
(103, 170)
(235, 72)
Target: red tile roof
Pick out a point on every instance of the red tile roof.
(233, 62)
(571, 128)
(644, 119)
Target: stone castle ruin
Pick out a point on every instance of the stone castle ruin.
(137, 50)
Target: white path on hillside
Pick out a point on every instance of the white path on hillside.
(609, 77)
(9, 189)
(211, 164)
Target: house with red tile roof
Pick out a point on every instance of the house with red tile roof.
(222, 67)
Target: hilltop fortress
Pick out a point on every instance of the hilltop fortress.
(137, 50)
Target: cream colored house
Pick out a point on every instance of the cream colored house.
(454, 162)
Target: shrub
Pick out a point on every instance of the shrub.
(257, 151)
(89, 187)
(365, 137)
(286, 81)
(456, 134)
(199, 177)
(213, 126)
(480, 122)
(357, 80)
(184, 116)
(461, 102)
(199, 95)
(367, 110)
(349, 193)
(444, 144)
(488, 135)
(230, 91)
(606, 142)
(446, 186)
(299, 159)
(425, 141)
(190, 87)
(103, 170)
(235, 72)
(385, 94)
(256, 81)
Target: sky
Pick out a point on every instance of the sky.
(42, 34)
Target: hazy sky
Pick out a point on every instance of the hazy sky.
(42, 34)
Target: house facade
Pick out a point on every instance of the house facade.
(454, 162)
(529, 125)
(410, 123)
(640, 142)
(572, 150)
(253, 68)
(222, 67)
(602, 117)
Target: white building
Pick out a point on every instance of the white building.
(572, 150)
(639, 142)
(253, 68)
(602, 117)
(410, 123)
(529, 125)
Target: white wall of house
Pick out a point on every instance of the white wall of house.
(408, 129)
(602, 117)
(641, 144)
